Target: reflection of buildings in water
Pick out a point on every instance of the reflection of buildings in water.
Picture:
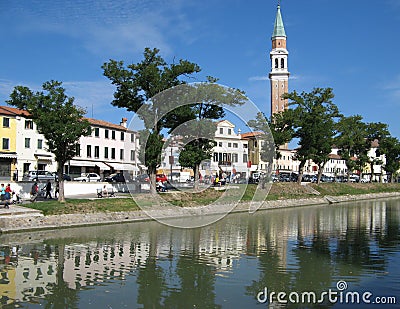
(93, 262)
(218, 245)
(30, 277)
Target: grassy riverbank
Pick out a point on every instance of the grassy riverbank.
(278, 191)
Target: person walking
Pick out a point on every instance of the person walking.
(48, 189)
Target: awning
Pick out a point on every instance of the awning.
(11, 155)
(102, 166)
(142, 167)
(81, 163)
(123, 167)
(43, 157)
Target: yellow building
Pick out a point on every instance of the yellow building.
(8, 146)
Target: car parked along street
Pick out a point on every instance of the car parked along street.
(90, 177)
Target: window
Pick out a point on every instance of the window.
(215, 159)
(96, 132)
(133, 155)
(6, 122)
(121, 154)
(89, 151)
(219, 144)
(112, 153)
(221, 130)
(282, 63)
(96, 151)
(112, 134)
(229, 144)
(78, 150)
(244, 145)
(235, 157)
(229, 131)
(132, 137)
(106, 132)
(245, 157)
(28, 124)
(276, 63)
(235, 145)
(122, 136)
(27, 142)
(6, 144)
(105, 152)
(39, 144)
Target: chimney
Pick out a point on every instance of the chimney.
(123, 122)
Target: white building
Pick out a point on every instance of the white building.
(230, 155)
(110, 148)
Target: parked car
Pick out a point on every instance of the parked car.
(90, 177)
(146, 178)
(117, 177)
(161, 177)
(65, 176)
(38, 176)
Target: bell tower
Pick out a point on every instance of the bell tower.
(279, 75)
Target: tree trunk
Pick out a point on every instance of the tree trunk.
(301, 167)
(153, 183)
(196, 176)
(320, 169)
(61, 196)
(372, 171)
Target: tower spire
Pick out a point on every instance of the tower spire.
(279, 29)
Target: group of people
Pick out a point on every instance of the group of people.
(6, 194)
(48, 188)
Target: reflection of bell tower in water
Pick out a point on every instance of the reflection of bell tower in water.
(279, 74)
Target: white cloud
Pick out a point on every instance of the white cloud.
(258, 78)
(106, 26)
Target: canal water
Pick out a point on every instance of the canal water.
(336, 256)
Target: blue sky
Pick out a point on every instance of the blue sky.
(351, 46)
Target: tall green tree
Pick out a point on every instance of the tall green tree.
(314, 125)
(390, 147)
(209, 101)
(376, 131)
(57, 118)
(350, 140)
(135, 85)
(280, 125)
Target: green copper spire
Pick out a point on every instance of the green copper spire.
(279, 29)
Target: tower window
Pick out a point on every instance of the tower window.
(282, 63)
(276, 63)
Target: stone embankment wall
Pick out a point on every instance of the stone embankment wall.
(15, 223)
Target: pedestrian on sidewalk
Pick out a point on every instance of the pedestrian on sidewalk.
(48, 189)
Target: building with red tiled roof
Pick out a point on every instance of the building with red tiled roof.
(110, 148)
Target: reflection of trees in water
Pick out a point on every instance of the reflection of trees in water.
(297, 250)
(196, 280)
(391, 236)
(318, 257)
(61, 295)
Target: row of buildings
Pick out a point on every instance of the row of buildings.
(110, 148)
(114, 148)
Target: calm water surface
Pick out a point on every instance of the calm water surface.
(224, 265)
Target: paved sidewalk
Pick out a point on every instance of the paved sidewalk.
(18, 210)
